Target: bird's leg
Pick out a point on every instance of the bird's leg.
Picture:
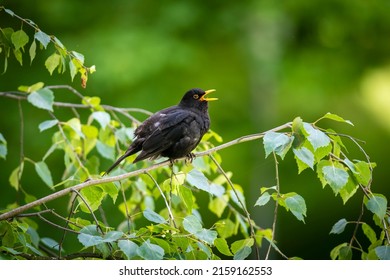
(171, 162)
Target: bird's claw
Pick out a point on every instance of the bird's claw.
(190, 158)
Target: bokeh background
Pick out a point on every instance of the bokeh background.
(270, 61)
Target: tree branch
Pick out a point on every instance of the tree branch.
(93, 182)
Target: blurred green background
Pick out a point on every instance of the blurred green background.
(270, 61)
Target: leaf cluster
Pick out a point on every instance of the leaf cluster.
(17, 42)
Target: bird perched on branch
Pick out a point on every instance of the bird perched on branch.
(172, 132)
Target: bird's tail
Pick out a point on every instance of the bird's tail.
(129, 152)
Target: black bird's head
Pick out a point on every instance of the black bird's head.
(196, 98)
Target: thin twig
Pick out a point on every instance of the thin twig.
(252, 231)
(276, 205)
(128, 216)
(357, 225)
(90, 209)
(123, 111)
(35, 213)
(66, 225)
(55, 225)
(165, 199)
(21, 142)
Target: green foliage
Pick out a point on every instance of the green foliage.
(175, 229)
(16, 42)
(158, 205)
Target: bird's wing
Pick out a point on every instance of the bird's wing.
(169, 128)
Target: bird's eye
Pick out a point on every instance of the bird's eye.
(195, 96)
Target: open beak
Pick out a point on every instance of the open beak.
(204, 98)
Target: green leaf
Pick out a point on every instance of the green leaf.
(320, 174)
(377, 204)
(8, 236)
(345, 253)
(129, 248)
(109, 188)
(44, 172)
(3, 150)
(276, 142)
(298, 133)
(336, 177)
(316, 137)
(103, 118)
(93, 195)
(149, 251)
(124, 135)
(186, 196)
(75, 126)
(43, 99)
(89, 236)
(222, 246)
(153, 216)
(19, 39)
(243, 253)
(239, 244)
(47, 124)
(197, 179)
(296, 204)
(363, 173)
(304, 158)
(369, 232)
(78, 56)
(50, 243)
(192, 224)
(348, 190)
(19, 56)
(341, 252)
(3, 147)
(217, 205)
(335, 118)
(105, 151)
(42, 37)
(339, 226)
(73, 69)
(383, 252)
(32, 51)
(15, 176)
(226, 228)
(263, 199)
(112, 236)
(52, 62)
(207, 235)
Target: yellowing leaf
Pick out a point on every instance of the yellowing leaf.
(32, 88)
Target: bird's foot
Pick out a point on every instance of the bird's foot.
(172, 162)
(190, 158)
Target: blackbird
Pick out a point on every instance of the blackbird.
(172, 132)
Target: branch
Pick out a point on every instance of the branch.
(93, 182)
(124, 111)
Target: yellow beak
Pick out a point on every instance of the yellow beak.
(204, 98)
